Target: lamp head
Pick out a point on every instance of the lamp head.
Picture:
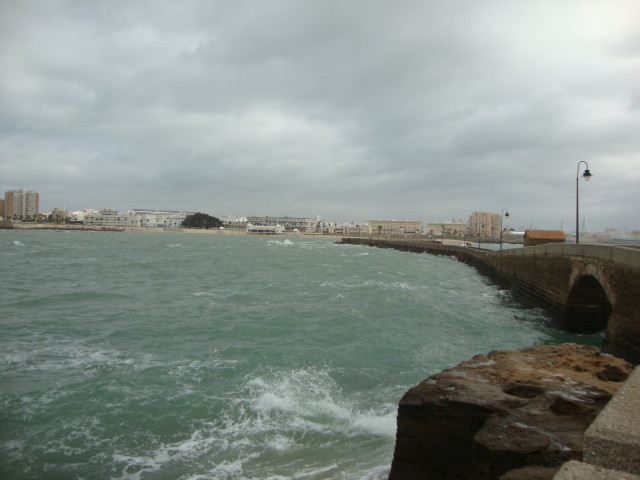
(587, 175)
(506, 214)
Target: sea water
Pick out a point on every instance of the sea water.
(185, 356)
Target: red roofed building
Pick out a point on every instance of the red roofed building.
(540, 237)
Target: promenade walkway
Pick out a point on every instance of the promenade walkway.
(612, 441)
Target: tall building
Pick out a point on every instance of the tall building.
(19, 204)
(484, 223)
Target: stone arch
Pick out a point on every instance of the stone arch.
(588, 307)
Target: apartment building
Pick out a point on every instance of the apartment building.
(346, 229)
(485, 224)
(21, 205)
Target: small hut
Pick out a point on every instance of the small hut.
(540, 237)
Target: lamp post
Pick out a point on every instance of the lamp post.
(587, 176)
(501, 215)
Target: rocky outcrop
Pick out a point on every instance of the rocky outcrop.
(516, 414)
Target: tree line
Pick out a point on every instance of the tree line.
(201, 220)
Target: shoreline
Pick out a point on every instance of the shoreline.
(100, 228)
(4, 225)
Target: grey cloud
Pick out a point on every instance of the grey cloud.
(351, 110)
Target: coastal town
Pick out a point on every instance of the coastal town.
(20, 209)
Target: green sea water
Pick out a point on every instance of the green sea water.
(177, 356)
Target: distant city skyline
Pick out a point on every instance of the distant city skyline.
(349, 110)
(477, 216)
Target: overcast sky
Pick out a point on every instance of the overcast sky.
(348, 109)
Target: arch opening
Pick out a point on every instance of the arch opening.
(588, 309)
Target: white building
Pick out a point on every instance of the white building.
(79, 215)
(344, 228)
(288, 223)
(395, 227)
(265, 229)
(161, 219)
(233, 219)
(112, 218)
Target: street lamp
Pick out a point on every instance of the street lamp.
(501, 215)
(587, 176)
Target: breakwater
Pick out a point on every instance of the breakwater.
(583, 288)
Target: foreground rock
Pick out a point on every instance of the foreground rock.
(516, 414)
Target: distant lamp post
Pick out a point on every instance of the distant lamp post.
(502, 214)
(587, 176)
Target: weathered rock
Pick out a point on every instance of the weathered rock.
(506, 413)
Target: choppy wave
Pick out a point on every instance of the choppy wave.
(311, 399)
(275, 420)
(134, 356)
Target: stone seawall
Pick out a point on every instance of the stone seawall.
(583, 288)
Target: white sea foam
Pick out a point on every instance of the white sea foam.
(378, 473)
(51, 353)
(286, 242)
(134, 466)
(194, 370)
(225, 470)
(313, 473)
(383, 425)
(280, 443)
(375, 284)
(312, 245)
(18, 243)
(330, 471)
(217, 293)
(308, 399)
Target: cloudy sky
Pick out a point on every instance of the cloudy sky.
(348, 109)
